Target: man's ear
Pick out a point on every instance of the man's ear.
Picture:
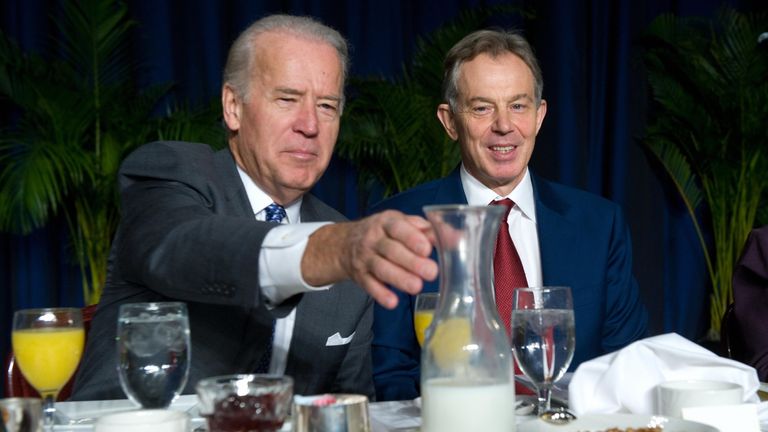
(541, 111)
(232, 107)
(445, 115)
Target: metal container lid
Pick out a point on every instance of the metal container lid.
(331, 413)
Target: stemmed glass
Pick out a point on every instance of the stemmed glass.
(153, 351)
(48, 344)
(423, 312)
(543, 337)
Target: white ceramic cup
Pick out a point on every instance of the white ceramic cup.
(155, 420)
(673, 396)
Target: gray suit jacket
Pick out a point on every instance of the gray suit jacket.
(188, 233)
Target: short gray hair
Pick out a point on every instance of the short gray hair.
(493, 43)
(241, 54)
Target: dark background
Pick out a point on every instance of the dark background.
(597, 106)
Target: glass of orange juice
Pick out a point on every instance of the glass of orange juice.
(48, 344)
(423, 312)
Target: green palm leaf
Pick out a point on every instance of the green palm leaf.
(710, 85)
(75, 117)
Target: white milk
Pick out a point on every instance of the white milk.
(451, 406)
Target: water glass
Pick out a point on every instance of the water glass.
(543, 337)
(153, 351)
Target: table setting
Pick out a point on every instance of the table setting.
(617, 390)
(468, 369)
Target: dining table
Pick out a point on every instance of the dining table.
(394, 416)
(391, 416)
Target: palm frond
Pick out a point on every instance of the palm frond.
(36, 176)
(61, 149)
(710, 88)
(94, 41)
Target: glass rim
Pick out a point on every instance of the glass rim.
(266, 382)
(545, 288)
(224, 379)
(154, 305)
(48, 310)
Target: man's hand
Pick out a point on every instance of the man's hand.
(387, 248)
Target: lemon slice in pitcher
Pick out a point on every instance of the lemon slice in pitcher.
(449, 342)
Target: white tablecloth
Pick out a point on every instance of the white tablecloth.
(400, 416)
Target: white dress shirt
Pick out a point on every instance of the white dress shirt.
(279, 257)
(521, 219)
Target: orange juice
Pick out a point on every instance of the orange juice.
(48, 356)
(421, 320)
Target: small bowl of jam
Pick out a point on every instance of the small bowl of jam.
(252, 402)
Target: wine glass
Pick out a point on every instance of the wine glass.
(543, 337)
(48, 344)
(423, 312)
(153, 351)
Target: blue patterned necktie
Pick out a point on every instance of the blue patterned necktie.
(275, 213)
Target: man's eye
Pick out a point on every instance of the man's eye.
(328, 111)
(519, 107)
(286, 99)
(481, 110)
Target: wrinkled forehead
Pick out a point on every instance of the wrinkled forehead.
(282, 44)
(505, 75)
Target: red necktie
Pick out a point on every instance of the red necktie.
(508, 274)
(507, 267)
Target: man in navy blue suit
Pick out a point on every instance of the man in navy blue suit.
(492, 90)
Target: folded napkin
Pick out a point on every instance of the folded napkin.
(625, 381)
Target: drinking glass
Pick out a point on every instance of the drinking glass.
(153, 351)
(543, 337)
(423, 312)
(48, 344)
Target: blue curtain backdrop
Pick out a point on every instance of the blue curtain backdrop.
(594, 84)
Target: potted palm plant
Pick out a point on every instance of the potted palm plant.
(74, 116)
(709, 131)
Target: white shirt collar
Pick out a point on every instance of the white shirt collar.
(259, 200)
(479, 194)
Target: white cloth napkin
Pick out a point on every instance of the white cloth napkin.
(625, 381)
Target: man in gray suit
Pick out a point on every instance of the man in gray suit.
(262, 296)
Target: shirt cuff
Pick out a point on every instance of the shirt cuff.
(280, 261)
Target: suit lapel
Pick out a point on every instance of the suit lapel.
(231, 186)
(311, 326)
(236, 203)
(557, 234)
(450, 190)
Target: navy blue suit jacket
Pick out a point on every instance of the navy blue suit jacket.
(584, 243)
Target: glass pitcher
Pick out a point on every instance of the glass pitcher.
(467, 375)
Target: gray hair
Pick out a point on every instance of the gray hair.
(241, 54)
(493, 43)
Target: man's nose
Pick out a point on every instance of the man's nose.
(306, 120)
(503, 123)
